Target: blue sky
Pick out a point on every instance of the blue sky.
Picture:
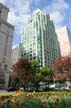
(59, 10)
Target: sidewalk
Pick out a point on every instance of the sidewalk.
(3, 91)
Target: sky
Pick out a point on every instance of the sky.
(20, 10)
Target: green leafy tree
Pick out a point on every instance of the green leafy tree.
(34, 66)
(46, 73)
(35, 70)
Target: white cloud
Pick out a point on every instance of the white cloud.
(57, 17)
(2, 1)
(58, 5)
(19, 12)
(37, 1)
(57, 10)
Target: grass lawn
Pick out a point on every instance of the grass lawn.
(6, 93)
(67, 93)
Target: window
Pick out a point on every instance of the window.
(5, 47)
(7, 37)
(0, 23)
(39, 17)
(0, 65)
(8, 29)
(31, 20)
(0, 12)
(24, 53)
(21, 55)
(5, 66)
(30, 58)
(30, 51)
(30, 55)
(5, 50)
(34, 57)
(1, 7)
(4, 60)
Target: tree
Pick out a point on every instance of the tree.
(34, 66)
(35, 70)
(62, 68)
(46, 73)
(22, 72)
(26, 72)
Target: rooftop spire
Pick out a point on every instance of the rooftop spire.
(37, 10)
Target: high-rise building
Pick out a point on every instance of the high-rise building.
(39, 40)
(15, 54)
(6, 36)
(64, 37)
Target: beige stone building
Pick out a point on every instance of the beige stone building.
(15, 54)
(64, 37)
(6, 37)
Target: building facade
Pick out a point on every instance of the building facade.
(64, 37)
(15, 54)
(6, 37)
(39, 40)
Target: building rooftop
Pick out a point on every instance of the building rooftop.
(37, 10)
(2, 5)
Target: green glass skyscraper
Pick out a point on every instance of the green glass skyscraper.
(39, 40)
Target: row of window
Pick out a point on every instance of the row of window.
(6, 45)
(5, 66)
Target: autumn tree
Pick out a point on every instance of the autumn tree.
(62, 68)
(25, 72)
(22, 71)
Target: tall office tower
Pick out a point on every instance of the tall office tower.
(64, 37)
(39, 40)
(6, 36)
(15, 54)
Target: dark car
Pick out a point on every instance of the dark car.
(12, 89)
(48, 89)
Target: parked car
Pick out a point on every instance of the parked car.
(12, 89)
(48, 89)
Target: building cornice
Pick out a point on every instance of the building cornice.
(8, 24)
